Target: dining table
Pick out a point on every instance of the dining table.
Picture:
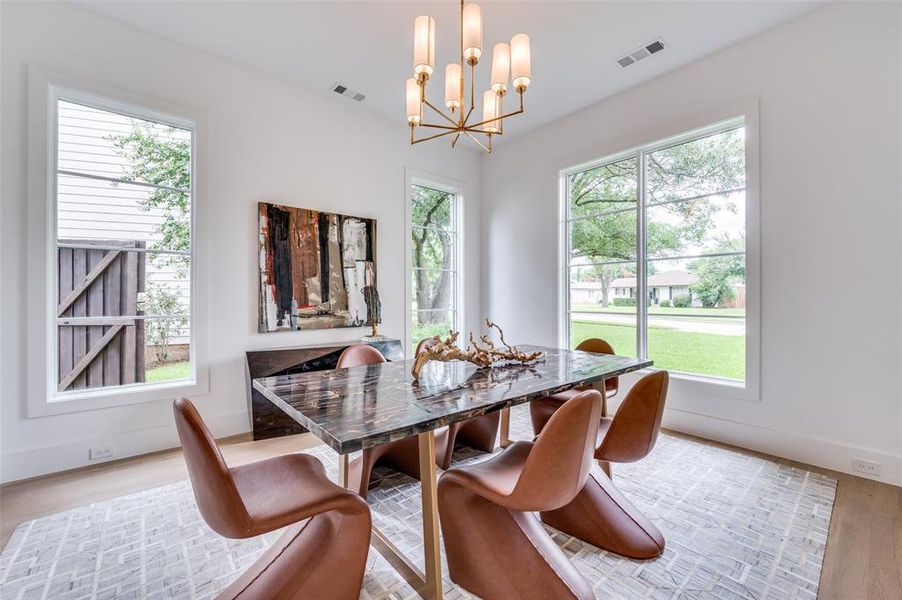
(362, 407)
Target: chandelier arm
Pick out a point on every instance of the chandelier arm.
(436, 126)
(454, 139)
(431, 137)
(472, 86)
(442, 113)
(467, 118)
(484, 147)
(510, 114)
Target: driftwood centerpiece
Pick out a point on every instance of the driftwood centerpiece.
(484, 355)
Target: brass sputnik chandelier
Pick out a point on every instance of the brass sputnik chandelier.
(508, 60)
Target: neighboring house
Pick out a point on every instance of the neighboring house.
(661, 286)
(585, 292)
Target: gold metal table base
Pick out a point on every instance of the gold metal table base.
(429, 583)
(504, 439)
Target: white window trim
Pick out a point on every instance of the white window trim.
(709, 122)
(42, 398)
(413, 177)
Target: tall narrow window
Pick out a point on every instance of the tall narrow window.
(657, 254)
(435, 263)
(123, 204)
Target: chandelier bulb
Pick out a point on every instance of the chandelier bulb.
(423, 45)
(472, 33)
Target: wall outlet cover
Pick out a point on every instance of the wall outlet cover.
(867, 467)
(100, 452)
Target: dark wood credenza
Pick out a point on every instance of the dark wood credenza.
(267, 420)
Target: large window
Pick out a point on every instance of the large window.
(656, 249)
(435, 262)
(122, 203)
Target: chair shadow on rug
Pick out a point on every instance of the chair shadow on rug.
(495, 548)
(322, 552)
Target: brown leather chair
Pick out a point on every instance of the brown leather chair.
(541, 410)
(601, 514)
(404, 455)
(494, 546)
(322, 552)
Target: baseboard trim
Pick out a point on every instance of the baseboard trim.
(806, 449)
(35, 462)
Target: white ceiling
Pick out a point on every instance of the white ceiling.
(367, 46)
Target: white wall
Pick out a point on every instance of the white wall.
(829, 91)
(266, 141)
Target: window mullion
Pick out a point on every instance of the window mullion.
(568, 324)
(641, 265)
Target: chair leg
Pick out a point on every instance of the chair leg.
(602, 516)
(444, 445)
(322, 557)
(480, 432)
(361, 468)
(499, 554)
(540, 411)
(606, 467)
(402, 455)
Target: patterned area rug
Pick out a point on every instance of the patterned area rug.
(736, 526)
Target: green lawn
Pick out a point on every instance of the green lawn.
(421, 332)
(169, 372)
(671, 349)
(657, 310)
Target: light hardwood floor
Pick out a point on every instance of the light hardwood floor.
(864, 547)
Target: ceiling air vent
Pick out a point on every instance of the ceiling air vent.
(641, 53)
(655, 46)
(347, 92)
(625, 61)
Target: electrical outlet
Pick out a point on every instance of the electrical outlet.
(867, 467)
(99, 452)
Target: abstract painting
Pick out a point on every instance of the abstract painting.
(317, 269)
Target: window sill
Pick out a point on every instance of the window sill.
(711, 386)
(85, 400)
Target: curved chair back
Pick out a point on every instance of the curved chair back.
(214, 489)
(559, 462)
(600, 346)
(635, 426)
(358, 356)
(424, 343)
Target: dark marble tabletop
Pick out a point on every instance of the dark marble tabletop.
(361, 407)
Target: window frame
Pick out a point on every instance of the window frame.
(698, 127)
(45, 91)
(450, 186)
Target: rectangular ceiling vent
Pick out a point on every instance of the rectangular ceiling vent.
(641, 53)
(347, 92)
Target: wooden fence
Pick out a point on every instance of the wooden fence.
(100, 342)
